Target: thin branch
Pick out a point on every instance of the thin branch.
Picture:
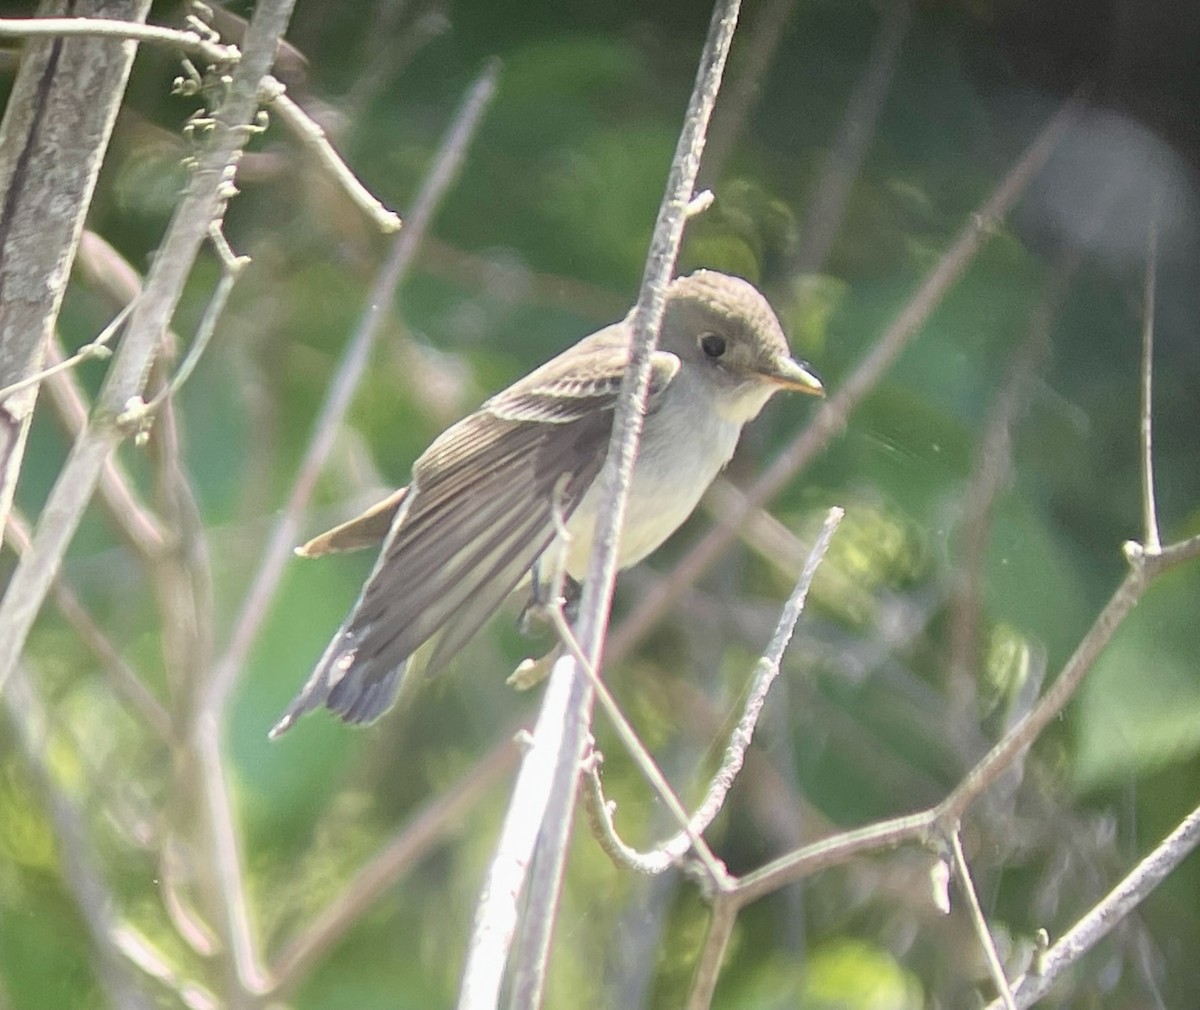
(692, 837)
(95, 348)
(667, 853)
(134, 522)
(716, 942)
(138, 413)
(1014, 743)
(833, 851)
(232, 267)
(182, 576)
(163, 968)
(189, 41)
(614, 482)
(831, 417)
(921, 827)
(495, 920)
(1149, 509)
(963, 872)
(444, 170)
(1107, 913)
(223, 853)
(313, 137)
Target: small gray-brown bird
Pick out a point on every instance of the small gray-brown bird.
(479, 512)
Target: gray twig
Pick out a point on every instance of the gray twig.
(1149, 509)
(313, 137)
(986, 941)
(95, 348)
(189, 41)
(614, 480)
(667, 853)
(1108, 912)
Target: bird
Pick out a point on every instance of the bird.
(489, 497)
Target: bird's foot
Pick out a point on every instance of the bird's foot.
(540, 608)
(531, 672)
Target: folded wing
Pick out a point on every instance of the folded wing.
(477, 515)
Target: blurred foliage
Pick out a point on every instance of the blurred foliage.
(541, 240)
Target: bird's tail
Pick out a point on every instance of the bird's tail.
(354, 691)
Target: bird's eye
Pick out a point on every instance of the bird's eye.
(712, 344)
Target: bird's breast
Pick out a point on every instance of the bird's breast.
(685, 444)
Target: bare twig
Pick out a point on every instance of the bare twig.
(668, 853)
(646, 764)
(831, 417)
(222, 849)
(1014, 743)
(614, 482)
(832, 851)
(137, 525)
(314, 138)
(986, 941)
(163, 968)
(1149, 508)
(232, 268)
(95, 348)
(1108, 912)
(716, 941)
(104, 28)
(927, 824)
(138, 414)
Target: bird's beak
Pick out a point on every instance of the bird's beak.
(790, 374)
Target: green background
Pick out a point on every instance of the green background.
(541, 240)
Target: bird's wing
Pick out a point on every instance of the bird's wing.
(365, 530)
(477, 515)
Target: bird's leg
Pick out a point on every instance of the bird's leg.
(558, 589)
(562, 592)
(540, 608)
(572, 591)
(532, 611)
